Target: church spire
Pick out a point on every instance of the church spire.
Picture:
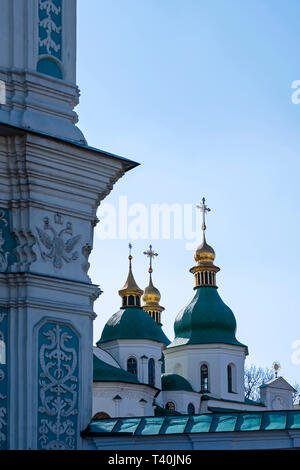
(205, 270)
(151, 295)
(130, 292)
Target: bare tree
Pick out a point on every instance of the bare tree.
(255, 377)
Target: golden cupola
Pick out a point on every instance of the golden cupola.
(151, 297)
(205, 270)
(130, 292)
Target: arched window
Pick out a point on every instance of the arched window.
(229, 378)
(137, 299)
(151, 372)
(100, 415)
(170, 406)
(191, 409)
(130, 300)
(204, 378)
(132, 365)
(124, 301)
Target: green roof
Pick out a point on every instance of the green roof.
(175, 382)
(205, 423)
(103, 372)
(206, 319)
(132, 323)
(246, 401)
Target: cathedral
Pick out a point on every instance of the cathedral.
(135, 389)
(139, 372)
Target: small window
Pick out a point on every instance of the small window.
(124, 301)
(151, 372)
(229, 378)
(170, 406)
(132, 365)
(137, 301)
(131, 300)
(191, 409)
(204, 378)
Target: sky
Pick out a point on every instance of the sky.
(200, 94)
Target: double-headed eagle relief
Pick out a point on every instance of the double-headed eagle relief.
(59, 247)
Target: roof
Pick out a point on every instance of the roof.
(205, 423)
(205, 320)
(103, 372)
(171, 382)
(247, 401)
(132, 323)
(278, 382)
(128, 164)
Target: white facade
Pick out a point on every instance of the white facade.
(119, 399)
(277, 394)
(187, 361)
(142, 351)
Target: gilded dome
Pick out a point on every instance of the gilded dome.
(204, 253)
(151, 294)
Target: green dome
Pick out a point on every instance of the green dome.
(132, 323)
(206, 319)
(173, 382)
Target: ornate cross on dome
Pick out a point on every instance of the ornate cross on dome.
(150, 255)
(203, 207)
(129, 246)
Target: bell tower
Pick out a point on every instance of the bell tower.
(38, 66)
(51, 185)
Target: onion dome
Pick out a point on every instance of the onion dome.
(206, 319)
(204, 253)
(151, 294)
(173, 382)
(151, 297)
(131, 321)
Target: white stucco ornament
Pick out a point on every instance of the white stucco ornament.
(59, 249)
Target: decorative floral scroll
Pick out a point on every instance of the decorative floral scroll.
(3, 378)
(58, 387)
(50, 19)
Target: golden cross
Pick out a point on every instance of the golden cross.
(203, 207)
(150, 255)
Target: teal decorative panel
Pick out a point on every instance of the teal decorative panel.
(58, 387)
(50, 25)
(7, 242)
(3, 378)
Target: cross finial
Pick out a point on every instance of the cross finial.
(150, 253)
(130, 246)
(203, 207)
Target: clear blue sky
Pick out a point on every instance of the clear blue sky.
(200, 94)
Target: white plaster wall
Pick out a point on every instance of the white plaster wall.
(121, 350)
(217, 356)
(181, 399)
(129, 405)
